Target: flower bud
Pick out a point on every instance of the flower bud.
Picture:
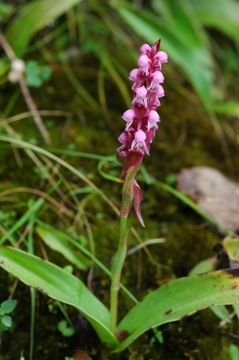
(140, 136)
(145, 48)
(129, 116)
(133, 74)
(158, 77)
(141, 91)
(162, 56)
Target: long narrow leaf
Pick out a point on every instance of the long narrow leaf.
(59, 285)
(194, 61)
(180, 298)
(33, 17)
(57, 241)
(220, 14)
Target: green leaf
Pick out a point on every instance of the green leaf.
(222, 313)
(60, 286)
(234, 352)
(4, 67)
(8, 306)
(58, 241)
(36, 74)
(192, 57)
(180, 298)
(109, 66)
(78, 245)
(236, 310)
(65, 329)
(6, 320)
(5, 10)
(220, 14)
(231, 246)
(228, 108)
(181, 16)
(34, 16)
(204, 266)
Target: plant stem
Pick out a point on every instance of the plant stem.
(117, 265)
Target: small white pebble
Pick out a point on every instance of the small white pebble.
(18, 66)
(13, 76)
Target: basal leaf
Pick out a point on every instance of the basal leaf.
(180, 298)
(59, 285)
(34, 16)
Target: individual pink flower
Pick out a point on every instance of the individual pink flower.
(142, 119)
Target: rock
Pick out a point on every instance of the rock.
(214, 193)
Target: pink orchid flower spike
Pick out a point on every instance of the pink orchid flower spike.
(141, 119)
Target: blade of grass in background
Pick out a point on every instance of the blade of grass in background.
(46, 229)
(220, 14)
(58, 242)
(32, 18)
(228, 108)
(190, 54)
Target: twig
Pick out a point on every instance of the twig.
(25, 91)
(27, 114)
(144, 244)
(33, 109)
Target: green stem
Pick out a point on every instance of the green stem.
(117, 265)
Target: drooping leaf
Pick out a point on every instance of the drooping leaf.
(180, 15)
(59, 285)
(58, 241)
(180, 298)
(193, 59)
(220, 14)
(34, 16)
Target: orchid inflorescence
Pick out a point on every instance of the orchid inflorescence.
(142, 118)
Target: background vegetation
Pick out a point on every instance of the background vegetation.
(65, 114)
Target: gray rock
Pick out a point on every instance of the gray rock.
(214, 193)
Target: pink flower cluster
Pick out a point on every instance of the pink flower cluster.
(142, 119)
